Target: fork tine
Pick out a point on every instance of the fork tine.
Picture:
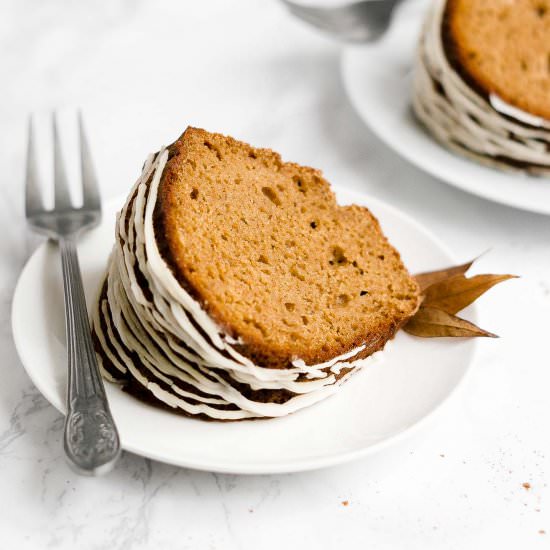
(62, 195)
(90, 187)
(33, 199)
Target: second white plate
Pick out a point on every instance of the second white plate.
(376, 406)
(378, 79)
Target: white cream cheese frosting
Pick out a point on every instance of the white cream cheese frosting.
(487, 129)
(151, 330)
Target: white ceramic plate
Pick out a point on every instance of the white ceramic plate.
(378, 79)
(373, 408)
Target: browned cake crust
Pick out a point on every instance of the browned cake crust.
(265, 249)
(503, 48)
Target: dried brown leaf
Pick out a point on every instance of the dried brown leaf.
(430, 322)
(429, 278)
(457, 292)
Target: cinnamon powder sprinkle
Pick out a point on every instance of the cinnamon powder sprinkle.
(345, 503)
(526, 486)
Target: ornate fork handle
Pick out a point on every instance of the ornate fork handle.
(91, 439)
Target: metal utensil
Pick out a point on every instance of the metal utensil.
(91, 440)
(363, 21)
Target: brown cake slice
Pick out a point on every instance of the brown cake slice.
(264, 248)
(502, 47)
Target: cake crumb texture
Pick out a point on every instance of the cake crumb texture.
(272, 258)
(502, 47)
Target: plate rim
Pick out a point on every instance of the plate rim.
(347, 56)
(263, 468)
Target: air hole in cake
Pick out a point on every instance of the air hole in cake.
(342, 300)
(305, 320)
(313, 225)
(252, 155)
(295, 273)
(194, 194)
(299, 184)
(290, 243)
(256, 325)
(541, 10)
(363, 293)
(271, 195)
(208, 145)
(338, 256)
(290, 306)
(381, 257)
(263, 259)
(523, 65)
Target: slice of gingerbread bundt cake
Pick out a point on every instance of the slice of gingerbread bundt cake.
(237, 286)
(503, 48)
(482, 81)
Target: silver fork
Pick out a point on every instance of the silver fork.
(363, 21)
(91, 440)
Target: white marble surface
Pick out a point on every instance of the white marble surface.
(143, 71)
